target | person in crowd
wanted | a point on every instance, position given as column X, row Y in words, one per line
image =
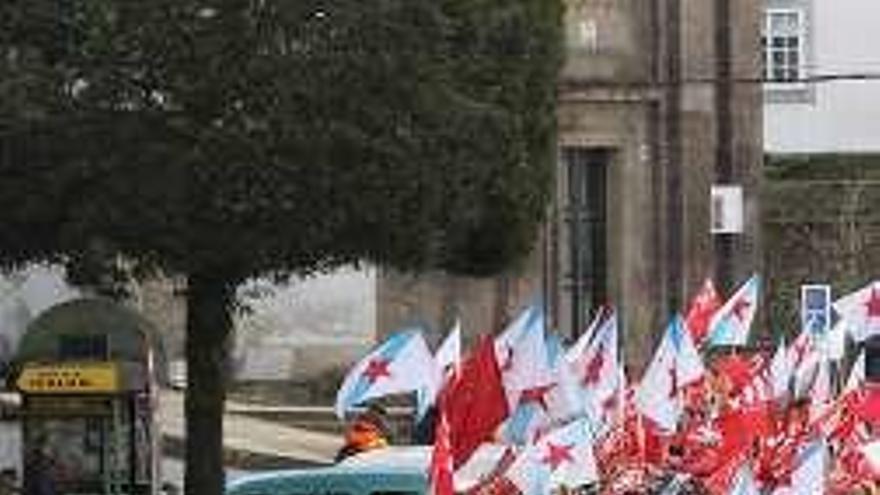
column 423, row 430
column 367, row 430
column 9, row 482
column 39, row 474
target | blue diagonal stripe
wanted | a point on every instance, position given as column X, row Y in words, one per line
column 387, row 351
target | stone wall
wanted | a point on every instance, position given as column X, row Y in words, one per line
column 821, row 222
column 434, row 300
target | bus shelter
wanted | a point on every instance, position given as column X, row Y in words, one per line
column 87, row 374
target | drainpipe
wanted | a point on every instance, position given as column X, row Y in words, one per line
column 674, row 230
column 724, row 171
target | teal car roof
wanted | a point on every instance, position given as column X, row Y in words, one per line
column 396, row 469
column 340, row 479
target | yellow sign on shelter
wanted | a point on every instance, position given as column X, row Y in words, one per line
column 69, row 378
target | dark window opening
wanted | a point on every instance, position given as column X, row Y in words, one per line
column 587, row 217
column 82, row 347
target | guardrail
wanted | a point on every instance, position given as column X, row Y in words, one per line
column 323, row 418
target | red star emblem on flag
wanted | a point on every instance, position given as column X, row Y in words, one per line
column 537, row 395
column 557, row 455
column 594, row 366
column 376, row 369
column 873, row 304
column 610, row 403
column 740, row 307
column 800, row 347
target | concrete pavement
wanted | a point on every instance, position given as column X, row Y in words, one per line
column 256, row 436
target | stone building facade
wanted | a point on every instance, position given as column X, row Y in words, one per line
column 658, row 100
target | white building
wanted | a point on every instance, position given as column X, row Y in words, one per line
column 817, row 54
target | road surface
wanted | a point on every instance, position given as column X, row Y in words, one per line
column 257, row 436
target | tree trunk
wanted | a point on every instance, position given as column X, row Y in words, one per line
column 208, row 327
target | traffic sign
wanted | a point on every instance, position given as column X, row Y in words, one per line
column 816, row 308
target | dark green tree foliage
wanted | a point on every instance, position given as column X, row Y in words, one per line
column 224, row 140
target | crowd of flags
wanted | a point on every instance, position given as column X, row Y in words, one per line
column 732, row 422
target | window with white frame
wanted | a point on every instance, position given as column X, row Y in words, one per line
column 783, row 43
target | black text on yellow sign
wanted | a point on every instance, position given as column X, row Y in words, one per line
column 79, row 378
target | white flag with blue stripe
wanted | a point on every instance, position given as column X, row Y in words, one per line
column 401, row 364
column 676, row 363
column 449, row 353
column 809, row 474
column 524, row 359
column 730, row 325
column 744, row 482
column 562, row 458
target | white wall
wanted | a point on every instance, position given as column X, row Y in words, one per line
column 842, row 116
column 23, row 295
column 307, row 326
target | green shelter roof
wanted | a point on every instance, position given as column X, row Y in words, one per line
column 128, row 334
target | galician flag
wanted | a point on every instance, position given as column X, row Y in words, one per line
column 781, row 371
column 731, row 323
column 744, row 482
column 542, row 406
column 448, row 355
column 676, row 363
column 561, row 458
column 811, row 465
column 700, row 311
column 861, row 310
column 856, row 374
column 597, row 369
column 580, row 346
column 523, row 356
column 820, row 393
column 401, row 364
column 806, row 357
column 835, row 341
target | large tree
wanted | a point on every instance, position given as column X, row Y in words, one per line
column 224, row 140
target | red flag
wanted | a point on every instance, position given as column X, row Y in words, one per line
column 700, row 311
column 656, row 442
column 495, row 482
column 441, row 460
column 777, row 457
column 624, row 444
column 718, row 483
column 734, row 433
column 738, row 369
column 868, row 407
column 741, row 427
column 474, row 402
